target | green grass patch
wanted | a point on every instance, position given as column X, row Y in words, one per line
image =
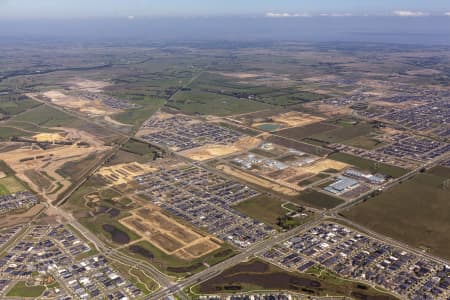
column 364, row 142
column 416, row 212
column 369, row 165
column 264, row 208
column 175, row 266
column 11, row 185
column 344, row 133
column 200, row 102
column 148, row 106
column 316, row 199
column 257, row 275
column 21, row 289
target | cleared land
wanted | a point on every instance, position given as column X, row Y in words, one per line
column 295, row 118
column 168, row 235
column 257, row 180
column 212, row 151
column 416, row 212
column 123, row 173
column 56, row 166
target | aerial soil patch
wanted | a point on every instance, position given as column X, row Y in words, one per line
column 168, row 235
column 257, row 180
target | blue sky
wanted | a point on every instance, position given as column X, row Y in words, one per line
column 274, row 8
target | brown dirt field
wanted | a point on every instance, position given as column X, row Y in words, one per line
column 165, row 242
column 93, row 86
column 14, row 219
column 78, row 103
column 213, row 151
column 200, row 247
column 209, row 151
column 168, row 235
column 295, row 119
column 158, row 220
column 323, row 165
column 123, row 173
column 240, row 75
column 256, row 180
column 48, row 137
column 53, row 158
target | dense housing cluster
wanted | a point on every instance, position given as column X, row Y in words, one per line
column 54, row 254
column 107, row 100
column 16, row 201
column 204, row 199
column 182, row 133
column 354, row 255
column 420, row 149
column 433, row 115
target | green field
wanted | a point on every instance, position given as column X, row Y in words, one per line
column 343, row 133
column 364, row 142
column 21, row 289
column 264, row 208
column 47, row 116
column 177, row 267
column 11, row 107
column 200, row 102
column 369, row 165
column 10, row 185
column 148, row 106
column 257, row 275
column 316, row 199
column 416, row 212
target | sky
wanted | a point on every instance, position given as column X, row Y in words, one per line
column 208, row 8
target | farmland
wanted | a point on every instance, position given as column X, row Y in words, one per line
column 415, row 212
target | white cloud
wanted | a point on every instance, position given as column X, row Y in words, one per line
column 336, row 15
column 408, row 13
column 131, row 17
column 285, row 15
column 447, row 14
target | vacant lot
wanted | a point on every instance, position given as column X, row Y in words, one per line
column 168, row 235
column 317, row 199
column 302, row 132
column 369, row 165
column 213, row 104
column 289, row 143
column 173, row 265
column 21, row 289
column 416, row 212
column 264, row 183
column 9, row 185
column 259, row 275
column 344, row 133
column 264, row 208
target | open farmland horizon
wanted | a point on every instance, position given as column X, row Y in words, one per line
column 273, row 154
